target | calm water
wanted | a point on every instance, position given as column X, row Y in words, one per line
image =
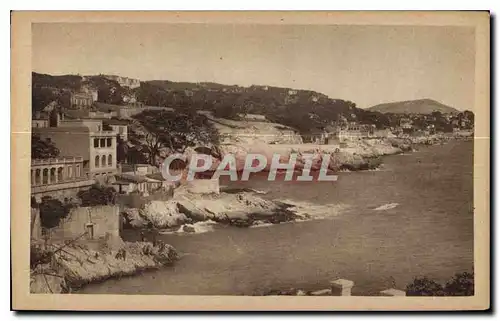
column 429, row 233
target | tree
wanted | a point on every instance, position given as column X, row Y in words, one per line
column 437, row 115
column 176, row 131
column 121, row 150
column 41, row 97
column 42, row 149
column 225, row 111
column 424, row 287
column 97, row 195
column 462, row 284
column 52, row 211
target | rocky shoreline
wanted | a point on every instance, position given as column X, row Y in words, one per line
column 66, row 267
column 235, row 208
column 245, row 208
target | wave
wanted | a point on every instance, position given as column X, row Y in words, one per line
column 310, row 211
column 387, row 206
column 305, row 211
column 258, row 224
column 195, row 228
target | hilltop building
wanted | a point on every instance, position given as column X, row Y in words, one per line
column 81, row 100
column 125, row 81
column 91, row 91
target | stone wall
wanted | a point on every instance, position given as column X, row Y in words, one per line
column 95, row 221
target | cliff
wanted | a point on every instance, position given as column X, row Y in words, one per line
column 355, row 155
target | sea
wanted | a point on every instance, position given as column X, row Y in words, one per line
column 413, row 217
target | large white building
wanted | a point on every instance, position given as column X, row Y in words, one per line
column 84, row 138
column 125, row 81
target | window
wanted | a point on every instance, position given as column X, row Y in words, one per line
column 103, row 142
column 60, row 174
column 108, row 142
column 96, row 142
column 89, row 227
column 78, row 174
column 52, row 175
column 45, row 176
column 103, row 160
column 110, row 160
column 70, row 172
column 96, row 161
column 37, row 176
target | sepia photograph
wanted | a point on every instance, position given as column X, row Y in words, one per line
column 257, row 157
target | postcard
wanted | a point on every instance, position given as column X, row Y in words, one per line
column 256, row 161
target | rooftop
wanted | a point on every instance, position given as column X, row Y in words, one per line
column 116, row 122
column 69, row 130
column 57, row 160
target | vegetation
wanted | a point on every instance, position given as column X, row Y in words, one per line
column 305, row 110
column 52, row 211
column 97, row 195
column 175, row 131
column 462, row 284
column 42, row 149
column 420, row 106
column 108, row 91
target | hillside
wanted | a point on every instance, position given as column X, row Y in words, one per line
column 420, row 106
column 305, row 110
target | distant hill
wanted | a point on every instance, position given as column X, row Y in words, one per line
column 420, row 106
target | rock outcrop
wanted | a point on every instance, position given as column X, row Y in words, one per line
column 241, row 209
column 65, row 267
column 163, row 214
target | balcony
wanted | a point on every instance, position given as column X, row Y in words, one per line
column 58, row 160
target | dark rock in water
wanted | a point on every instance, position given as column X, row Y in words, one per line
column 188, row 229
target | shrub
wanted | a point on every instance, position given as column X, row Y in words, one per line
column 424, row 287
column 52, row 211
column 97, row 195
column 462, row 284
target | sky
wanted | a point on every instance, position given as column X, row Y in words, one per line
column 365, row 64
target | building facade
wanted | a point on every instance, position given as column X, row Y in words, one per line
column 85, row 138
column 81, row 100
column 61, row 176
column 39, row 123
column 125, row 81
column 119, row 126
